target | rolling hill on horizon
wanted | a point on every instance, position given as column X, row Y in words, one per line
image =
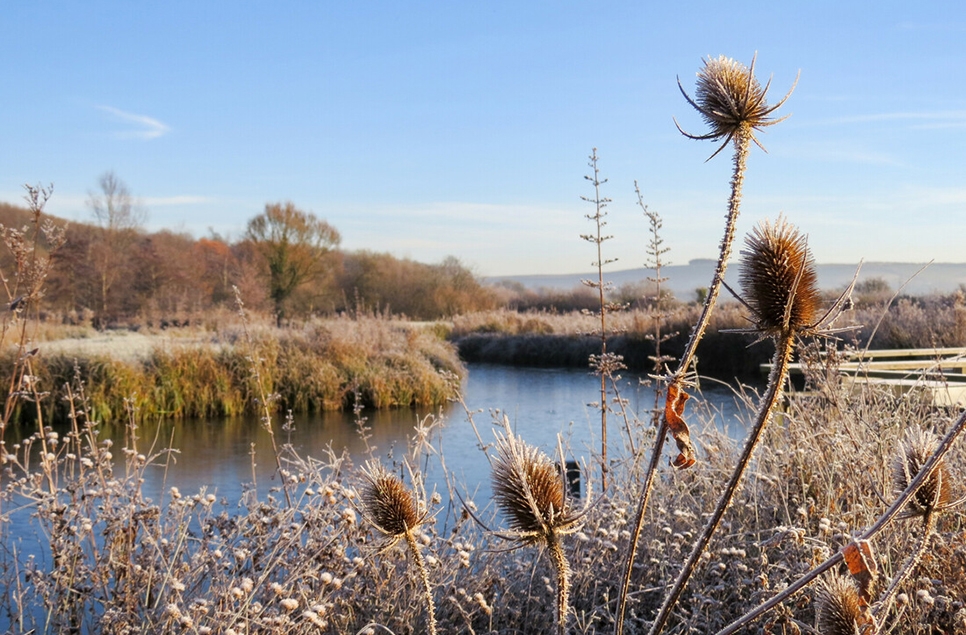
column 683, row 280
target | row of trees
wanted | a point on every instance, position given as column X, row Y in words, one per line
column 287, row 263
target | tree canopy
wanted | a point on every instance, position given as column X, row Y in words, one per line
column 293, row 244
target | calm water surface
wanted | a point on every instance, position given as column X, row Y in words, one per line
column 218, row 456
column 540, row 404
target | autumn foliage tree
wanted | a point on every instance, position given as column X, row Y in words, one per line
column 293, row 244
column 119, row 219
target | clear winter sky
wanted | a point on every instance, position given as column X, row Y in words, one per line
column 434, row 128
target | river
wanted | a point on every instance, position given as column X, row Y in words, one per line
column 539, row 403
column 217, row 456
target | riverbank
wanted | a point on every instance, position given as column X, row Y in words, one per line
column 322, row 365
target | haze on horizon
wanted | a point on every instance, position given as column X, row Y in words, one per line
column 429, row 129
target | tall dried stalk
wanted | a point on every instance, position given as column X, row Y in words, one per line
column 733, row 104
column 605, row 364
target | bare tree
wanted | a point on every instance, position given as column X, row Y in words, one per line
column 119, row 218
column 293, row 244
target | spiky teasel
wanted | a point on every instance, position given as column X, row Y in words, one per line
column 935, row 494
column 394, row 510
column 779, row 280
column 839, row 609
column 731, row 101
column 530, row 491
column 388, row 504
column 781, row 289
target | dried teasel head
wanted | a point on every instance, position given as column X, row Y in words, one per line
column 731, row 100
column 529, row 489
column 935, row 494
column 839, row 610
column 388, row 504
column 779, row 281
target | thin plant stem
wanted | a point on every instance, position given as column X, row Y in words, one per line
column 742, row 142
column 883, row 521
column 885, row 601
column 559, row 560
column 779, row 373
column 424, row 578
column 598, row 238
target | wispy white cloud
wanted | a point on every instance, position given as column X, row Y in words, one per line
column 169, row 201
column 843, row 152
column 925, row 119
column 145, row 128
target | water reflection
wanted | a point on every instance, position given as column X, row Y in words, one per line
column 540, row 404
column 224, row 457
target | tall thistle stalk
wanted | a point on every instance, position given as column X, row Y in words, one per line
column 733, row 104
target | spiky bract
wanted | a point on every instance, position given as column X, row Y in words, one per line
column 935, row 494
column 778, row 280
column 388, row 504
column 529, row 489
column 731, row 101
column 839, row 610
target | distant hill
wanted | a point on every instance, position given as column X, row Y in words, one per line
column 684, row 279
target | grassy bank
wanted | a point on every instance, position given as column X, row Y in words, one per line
column 324, row 365
column 543, row 339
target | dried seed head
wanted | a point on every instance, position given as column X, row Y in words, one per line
column 778, row 279
column 730, row 100
column 388, row 503
column 839, row 610
column 936, row 491
column 529, row 489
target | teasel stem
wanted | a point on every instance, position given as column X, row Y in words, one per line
column 776, row 382
column 881, row 523
column 742, row 142
column 424, row 578
column 559, row 560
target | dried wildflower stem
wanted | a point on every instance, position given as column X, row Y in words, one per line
column 424, row 578
column 742, row 141
column 887, row 517
column 884, row 603
column 776, row 382
column 598, row 238
column 559, row 560
column 266, row 418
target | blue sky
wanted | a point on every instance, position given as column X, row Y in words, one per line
column 428, row 129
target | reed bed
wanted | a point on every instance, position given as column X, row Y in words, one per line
column 322, row 366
